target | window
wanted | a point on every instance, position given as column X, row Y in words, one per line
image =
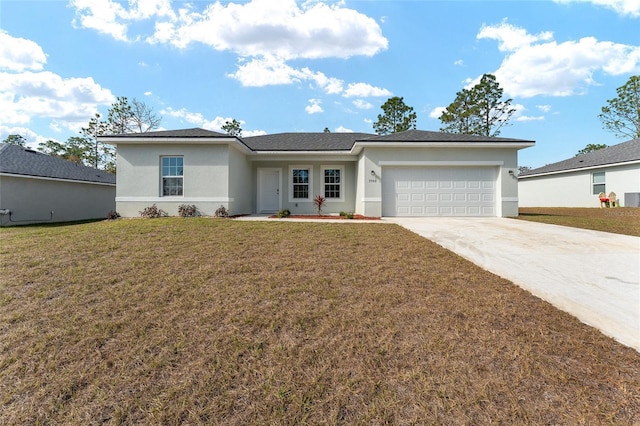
column 597, row 179
column 300, row 189
column 172, row 172
column 332, row 182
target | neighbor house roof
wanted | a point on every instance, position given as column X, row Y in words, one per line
column 622, row 153
column 17, row 160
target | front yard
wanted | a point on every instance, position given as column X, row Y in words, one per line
column 213, row 321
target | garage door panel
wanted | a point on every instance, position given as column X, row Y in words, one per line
column 438, row 191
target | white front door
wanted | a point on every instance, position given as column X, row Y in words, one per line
column 269, row 190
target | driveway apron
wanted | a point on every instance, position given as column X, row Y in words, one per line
column 592, row 275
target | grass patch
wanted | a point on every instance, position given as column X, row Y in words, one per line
column 619, row 220
column 205, row 321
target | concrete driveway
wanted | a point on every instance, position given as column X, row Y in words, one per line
column 592, row 275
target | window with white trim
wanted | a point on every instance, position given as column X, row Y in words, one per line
column 172, row 176
column 300, row 183
column 598, row 182
column 332, row 177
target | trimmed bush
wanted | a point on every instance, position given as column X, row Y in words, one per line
column 284, row 213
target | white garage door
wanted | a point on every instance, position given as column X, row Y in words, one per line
column 439, row 191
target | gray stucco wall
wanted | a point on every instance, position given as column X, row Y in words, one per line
column 206, row 178
column 241, row 178
column 31, row 200
column 374, row 159
column 306, row 207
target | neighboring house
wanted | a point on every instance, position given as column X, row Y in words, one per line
column 36, row 187
column 413, row 173
column 576, row 182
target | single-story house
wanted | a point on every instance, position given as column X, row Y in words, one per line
column 36, row 188
column 412, row 173
column 576, row 182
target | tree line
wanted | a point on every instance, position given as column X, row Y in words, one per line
column 480, row 110
column 124, row 116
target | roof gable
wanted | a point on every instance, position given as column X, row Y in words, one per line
column 620, row 153
column 17, row 160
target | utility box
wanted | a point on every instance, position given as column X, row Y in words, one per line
column 632, row 199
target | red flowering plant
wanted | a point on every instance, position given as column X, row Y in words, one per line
column 319, row 202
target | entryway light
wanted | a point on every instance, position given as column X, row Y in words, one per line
column 373, row 172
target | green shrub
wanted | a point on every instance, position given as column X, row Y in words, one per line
column 349, row 215
column 284, row 213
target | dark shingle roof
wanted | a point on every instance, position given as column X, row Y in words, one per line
column 17, row 160
column 320, row 141
column 304, row 141
column 182, row 133
column 428, row 136
column 621, row 153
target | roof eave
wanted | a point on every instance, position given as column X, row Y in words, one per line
column 224, row 140
column 359, row 145
column 579, row 169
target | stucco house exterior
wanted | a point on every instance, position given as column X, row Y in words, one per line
column 412, row 173
column 577, row 181
column 39, row 188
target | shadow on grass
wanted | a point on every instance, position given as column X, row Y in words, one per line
column 48, row 224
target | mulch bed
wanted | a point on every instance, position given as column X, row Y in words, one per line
column 310, row 216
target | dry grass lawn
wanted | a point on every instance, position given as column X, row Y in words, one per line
column 212, row 321
column 618, row 220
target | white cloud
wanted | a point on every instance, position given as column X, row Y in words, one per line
column 519, row 114
column 622, row 7
column 199, row 120
column 314, row 106
column 281, row 28
column 112, row 18
column 510, row 37
column 459, row 62
column 364, row 90
column 33, row 139
column 360, row 104
column 342, row 129
column 265, row 34
column 19, row 54
column 437, row 112
column 529, row 118
column 544, row 108
column 539, row 65
column 48, row 95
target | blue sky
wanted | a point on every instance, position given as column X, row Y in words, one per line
column 288, row 66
